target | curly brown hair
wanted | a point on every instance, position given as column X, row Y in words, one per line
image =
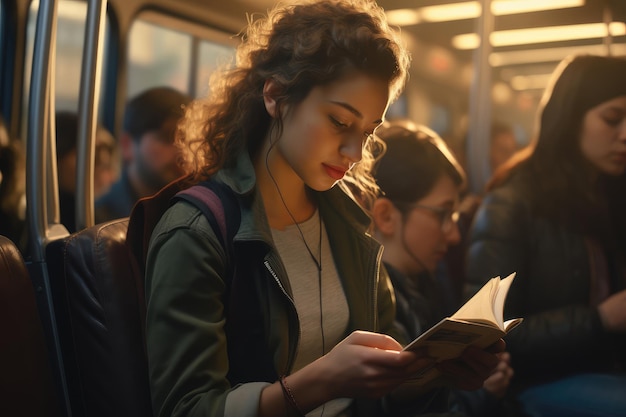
column 299, row 46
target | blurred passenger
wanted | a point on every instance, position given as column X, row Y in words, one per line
column 556, row 214
column 12, row 189
column 502, row 145
column 415, row 220
column 150, row 159
column 4, row 133
column 105, row 167
column 106, row 164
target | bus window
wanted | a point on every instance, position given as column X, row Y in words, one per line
column 164, row 50
column 72, row 15
column 211, row 56
column 157, row 56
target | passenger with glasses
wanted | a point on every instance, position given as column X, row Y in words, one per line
column 415, row 218
column 446, row 216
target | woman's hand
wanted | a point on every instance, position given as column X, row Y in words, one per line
column 368, row 364
column 613, row 312
column 473, row 367
column 498, row 382
column 364, row 364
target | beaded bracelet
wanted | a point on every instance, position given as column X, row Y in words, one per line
column 289, row 398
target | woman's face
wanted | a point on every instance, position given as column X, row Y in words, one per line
column 603, row 136
column 427, row 235
column 323, row 136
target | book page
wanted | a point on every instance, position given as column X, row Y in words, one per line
column 448, row 339
column 480, row 306
column 498, row 304
column 479, row 322
column 511, row 324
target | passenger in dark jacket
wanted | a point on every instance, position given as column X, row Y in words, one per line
column 415, row 219
column 556, row 215
column 150, row 159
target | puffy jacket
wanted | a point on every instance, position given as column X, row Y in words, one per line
column 561, row 333
column 193, row 370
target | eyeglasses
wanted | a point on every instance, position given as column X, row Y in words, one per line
column 447, row 217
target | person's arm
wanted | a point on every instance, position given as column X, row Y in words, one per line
column 498, row 382
column 363, row 365
column 613, row 314
column 186, row 344
column 505, row 239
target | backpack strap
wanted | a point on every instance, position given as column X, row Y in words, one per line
column 218, row 204
column 248, row 354
column 144, row 217
column 213, row 198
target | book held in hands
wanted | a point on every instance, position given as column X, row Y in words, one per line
column 479, row 322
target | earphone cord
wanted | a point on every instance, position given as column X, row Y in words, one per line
column 317, row 263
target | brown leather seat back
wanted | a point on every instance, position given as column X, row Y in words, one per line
column 101, row 321
column 26, row 387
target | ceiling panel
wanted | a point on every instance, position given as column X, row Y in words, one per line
column 441, row 34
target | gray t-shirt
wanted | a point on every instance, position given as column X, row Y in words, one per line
column 323, row 323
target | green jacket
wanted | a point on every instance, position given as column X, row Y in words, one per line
column 185, row 291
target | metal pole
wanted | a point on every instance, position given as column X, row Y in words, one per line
column 41, row 182
column 480, row 105
column 38, row 135
column 88, row 111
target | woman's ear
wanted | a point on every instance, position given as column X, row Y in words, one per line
column 384, row 215
column 270, row 90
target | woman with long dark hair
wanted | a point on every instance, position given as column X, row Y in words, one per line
column 556, row 215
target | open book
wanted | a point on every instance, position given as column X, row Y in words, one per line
column 478, row 322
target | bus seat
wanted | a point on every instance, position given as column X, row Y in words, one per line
column 26, row 387
column 100, row 314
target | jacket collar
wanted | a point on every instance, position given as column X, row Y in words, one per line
column 241, row 179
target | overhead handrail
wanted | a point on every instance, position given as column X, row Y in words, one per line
column 89, row 100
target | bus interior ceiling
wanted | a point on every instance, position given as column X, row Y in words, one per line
column 444, row 53
column 452, row 76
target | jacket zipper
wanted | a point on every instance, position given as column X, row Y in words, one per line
column 293, row 305
column 377, row 266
